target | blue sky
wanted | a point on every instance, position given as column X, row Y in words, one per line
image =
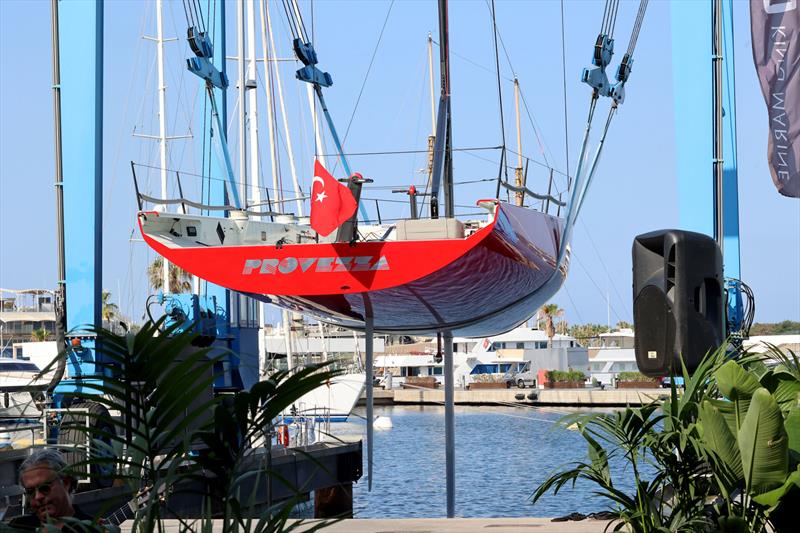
column 634, row 190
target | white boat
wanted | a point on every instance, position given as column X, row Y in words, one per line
column 19, row 376
column 21, row 387
column 304, row 344
column 331, row 402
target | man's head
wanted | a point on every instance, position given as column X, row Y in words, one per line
column 48, row 487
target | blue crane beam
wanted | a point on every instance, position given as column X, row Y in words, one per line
column 80, row 30
column 693, row 91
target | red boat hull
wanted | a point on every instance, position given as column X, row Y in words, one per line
column 482, row 285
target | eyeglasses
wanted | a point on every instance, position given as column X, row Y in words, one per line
column 42, row 488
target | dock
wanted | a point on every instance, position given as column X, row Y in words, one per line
column 429, row 525
column 540, row 397
column 322, row 468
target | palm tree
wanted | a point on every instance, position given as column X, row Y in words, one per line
column 39, row 335
column 549, row 312
column 109, row 310
column 179, row 279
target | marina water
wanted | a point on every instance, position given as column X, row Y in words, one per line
column 502, row 455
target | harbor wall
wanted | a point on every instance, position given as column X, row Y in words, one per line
column 563, row 397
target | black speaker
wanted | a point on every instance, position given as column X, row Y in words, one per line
column 678, row 300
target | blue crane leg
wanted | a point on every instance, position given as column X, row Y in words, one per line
column 81, row 56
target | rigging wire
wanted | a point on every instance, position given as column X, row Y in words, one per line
column 535, row 129
column 499, row 94
column 400, row 152
column 366, row 77
column 543, row 148
column 588, row 275
column 605, row 269
column 564, row 83
column 574, row 307
column 637, row 26
column 472, row 62
column 301, row 23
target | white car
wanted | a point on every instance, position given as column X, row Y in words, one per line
column 521, row 378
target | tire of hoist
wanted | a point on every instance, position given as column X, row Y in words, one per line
column 71, row 434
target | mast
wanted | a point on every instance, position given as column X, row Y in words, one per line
column 252, row 105
column 162, row 124
column 432, row 136
column 520, row 180
column 289, row 149
column 444, row 54
column 270, row 96
column 442, row 161
column 242, row 103
column 430, row 78
column 310, row 91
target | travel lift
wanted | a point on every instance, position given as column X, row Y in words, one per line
column 77, row 43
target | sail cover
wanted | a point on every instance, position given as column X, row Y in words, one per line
column 775, row 26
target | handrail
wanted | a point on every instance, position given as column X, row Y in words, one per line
column 525, row 190
column 198, row 205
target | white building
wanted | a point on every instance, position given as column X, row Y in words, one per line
column 508, row 352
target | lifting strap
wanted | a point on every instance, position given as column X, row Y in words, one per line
column 594, row 77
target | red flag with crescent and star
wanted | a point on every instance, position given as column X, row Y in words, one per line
column 331, row 202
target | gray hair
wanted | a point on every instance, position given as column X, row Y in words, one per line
column 46, row 456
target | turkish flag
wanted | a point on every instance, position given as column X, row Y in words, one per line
column 331, row 202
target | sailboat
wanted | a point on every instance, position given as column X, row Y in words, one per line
column 335, row 400
column 414, row 276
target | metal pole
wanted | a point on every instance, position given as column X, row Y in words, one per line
column 520, row 197
column 432, row 136
column 287, row 335
column 269, row 94
column 252, row 107
column 60, row 306
column 286, row 129
column 717, row 58
column 430, row 80
column 162, row 127
column 368, row 334
column 449, row 424
column 444, row 64
column 242, row 103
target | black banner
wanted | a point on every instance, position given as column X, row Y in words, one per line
column 775, row 27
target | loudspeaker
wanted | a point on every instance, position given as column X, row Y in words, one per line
column 678, row 300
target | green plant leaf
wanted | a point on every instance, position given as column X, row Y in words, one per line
column 763, row 444
column 735, row 382
column 719, row 438
column 786, row 393
column 792, row 426
column 773, row 497
column 733, row 524
column 732, row 412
